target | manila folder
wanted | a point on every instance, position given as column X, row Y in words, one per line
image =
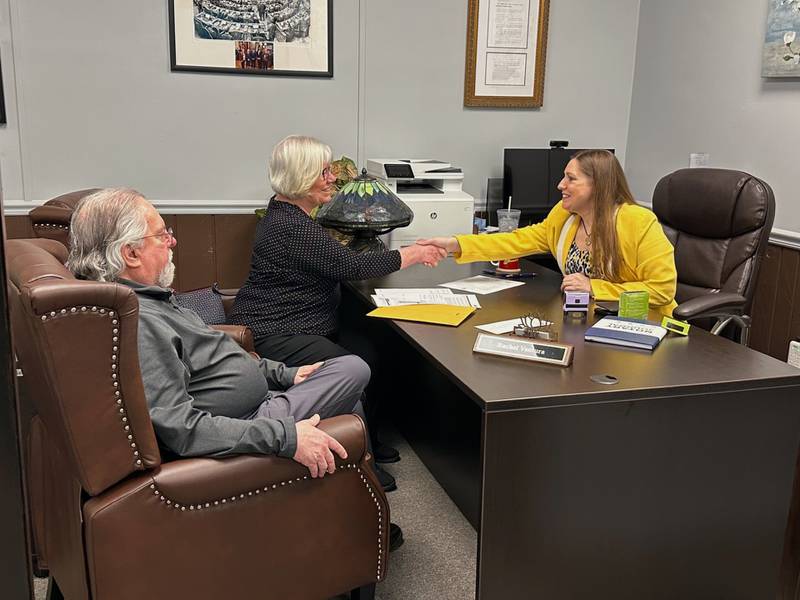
column 440, row 314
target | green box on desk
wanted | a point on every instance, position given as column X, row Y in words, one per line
column 634, row 305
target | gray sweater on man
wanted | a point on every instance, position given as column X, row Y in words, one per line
column 202, row 389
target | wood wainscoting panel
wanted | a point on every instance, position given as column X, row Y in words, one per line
column 18, row 227
column 234, row 234
column 776, row 307
column 785, row 304
column 764, row 301
column 196, row 251
column 794, row 320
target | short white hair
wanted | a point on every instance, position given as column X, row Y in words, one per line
column 295, row 165
column 101, row 225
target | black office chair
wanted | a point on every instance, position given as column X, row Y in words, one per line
column 719, row 221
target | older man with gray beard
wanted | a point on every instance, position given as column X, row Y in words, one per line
column 206, row 395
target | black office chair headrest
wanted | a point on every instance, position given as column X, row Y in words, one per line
column 712, row 203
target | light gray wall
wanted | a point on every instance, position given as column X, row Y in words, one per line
column 10, row 158
column 698, row 88
column 415, row 52
column 98, row 105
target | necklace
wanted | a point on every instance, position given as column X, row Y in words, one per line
column 588, row 234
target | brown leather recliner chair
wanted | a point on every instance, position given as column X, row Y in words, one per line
column 122, row 524
column 719, row 222
column 51, row 219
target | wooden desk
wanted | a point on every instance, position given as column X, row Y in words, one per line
column 673, row 484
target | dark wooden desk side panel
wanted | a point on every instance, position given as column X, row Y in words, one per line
column 671, row 498
column 440, row 423
column 211, row 248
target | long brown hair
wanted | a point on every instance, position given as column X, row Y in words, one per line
column 609, row 190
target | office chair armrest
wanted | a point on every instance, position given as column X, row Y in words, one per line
column 710, row 305
column 240, row 334
column 191, row 481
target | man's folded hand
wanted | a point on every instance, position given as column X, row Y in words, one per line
column 306, row 370
column 315, row 448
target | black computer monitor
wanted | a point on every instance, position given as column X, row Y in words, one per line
column 530, row 177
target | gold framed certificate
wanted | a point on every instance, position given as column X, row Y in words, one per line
column 506, row 48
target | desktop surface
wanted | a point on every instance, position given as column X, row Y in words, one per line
column 691, row 363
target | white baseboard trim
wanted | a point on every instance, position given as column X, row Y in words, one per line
column 168, row 207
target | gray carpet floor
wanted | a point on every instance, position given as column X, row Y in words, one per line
column 437, row 560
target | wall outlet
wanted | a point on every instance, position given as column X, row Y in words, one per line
column 698, row 159
column 794, row 354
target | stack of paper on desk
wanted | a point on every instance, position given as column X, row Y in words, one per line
column 399, row 297
column 482, row 285
column 439, row 314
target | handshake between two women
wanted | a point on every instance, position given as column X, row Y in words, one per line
column 427, row 252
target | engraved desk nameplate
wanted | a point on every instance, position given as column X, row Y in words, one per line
column 514, row 347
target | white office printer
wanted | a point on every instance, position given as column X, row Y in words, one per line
column 432, row 189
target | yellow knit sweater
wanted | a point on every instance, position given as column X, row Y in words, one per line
column 648, row 261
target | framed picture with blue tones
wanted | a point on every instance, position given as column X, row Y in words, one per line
column 781, row 54
column 252, row 37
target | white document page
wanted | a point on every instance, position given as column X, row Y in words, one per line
column 388, row 292
column 424, row 298
column 508, row 23
column 482, row 285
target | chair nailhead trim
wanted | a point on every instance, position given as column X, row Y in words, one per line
column 208, row 504
column 51, row 225
column 114, row 367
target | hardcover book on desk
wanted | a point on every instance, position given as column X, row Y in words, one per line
column 620, row 331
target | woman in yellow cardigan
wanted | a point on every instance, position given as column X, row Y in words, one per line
column 603, row 241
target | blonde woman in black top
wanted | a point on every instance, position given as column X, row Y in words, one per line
column 291, row 296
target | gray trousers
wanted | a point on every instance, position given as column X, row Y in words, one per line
column 333, row 389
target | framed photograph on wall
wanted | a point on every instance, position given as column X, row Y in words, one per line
column 253, row 37
column 781, row 54
column 506, row 49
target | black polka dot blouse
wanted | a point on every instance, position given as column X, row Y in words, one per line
column 295, row 270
